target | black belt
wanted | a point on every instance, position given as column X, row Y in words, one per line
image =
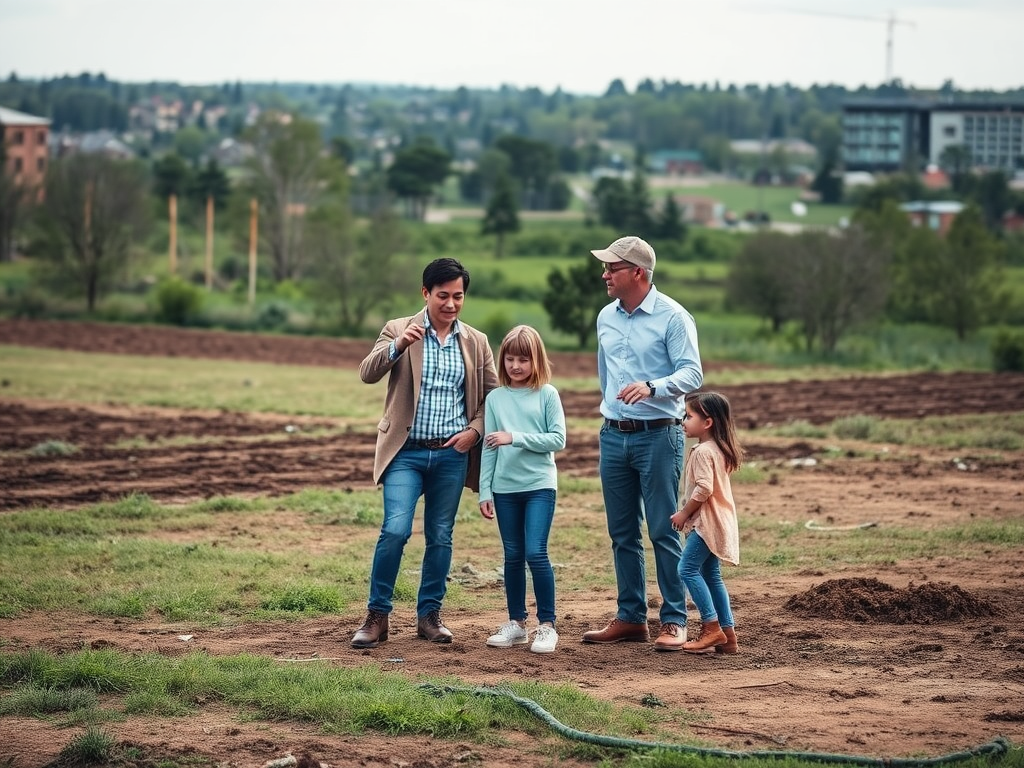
column 638, row 425
column 433, row 443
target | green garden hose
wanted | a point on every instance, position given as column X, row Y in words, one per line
column 998, row 746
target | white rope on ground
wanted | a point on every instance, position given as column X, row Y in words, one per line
column 810, row 525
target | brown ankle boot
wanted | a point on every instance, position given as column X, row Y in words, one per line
column 730, row 645
column 711, row 634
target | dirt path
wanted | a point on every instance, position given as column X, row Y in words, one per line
column 909, row 658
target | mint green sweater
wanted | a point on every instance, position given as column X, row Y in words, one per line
column 536, row 421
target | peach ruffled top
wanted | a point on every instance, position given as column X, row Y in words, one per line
column 707, row 481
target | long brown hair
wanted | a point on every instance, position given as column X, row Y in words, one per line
column 711, row 405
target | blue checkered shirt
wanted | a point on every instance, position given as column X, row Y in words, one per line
column 441, row 410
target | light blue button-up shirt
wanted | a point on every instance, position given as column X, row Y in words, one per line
column 657, row 342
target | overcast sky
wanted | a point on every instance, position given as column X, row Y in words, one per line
column 578, row 45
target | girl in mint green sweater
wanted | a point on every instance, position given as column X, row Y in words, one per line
column 524, row 425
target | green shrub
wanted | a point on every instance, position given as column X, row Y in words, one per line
column 52, row 448
column 177, row 301
column 273, row 316
column 857, row 427
column 93, row 747
column 1008, row 351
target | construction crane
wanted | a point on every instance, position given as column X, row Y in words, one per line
column 890, row 21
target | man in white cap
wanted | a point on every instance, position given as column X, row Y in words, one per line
column 647, row 360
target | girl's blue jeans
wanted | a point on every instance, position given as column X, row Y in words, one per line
column 524, row 520
column 701, row 572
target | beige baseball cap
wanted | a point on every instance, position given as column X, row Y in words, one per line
column 630, row 248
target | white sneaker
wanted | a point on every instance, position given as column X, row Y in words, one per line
column 508, row 634
column 545, row 639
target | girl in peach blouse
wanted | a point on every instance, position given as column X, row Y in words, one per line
column 709, row 519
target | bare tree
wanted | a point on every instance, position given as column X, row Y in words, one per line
column 836, row 281
column 358, row 266
column 286, row 175
column 94, row 210
column 758, row 280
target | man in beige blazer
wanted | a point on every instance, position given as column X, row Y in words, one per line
column 439, row 372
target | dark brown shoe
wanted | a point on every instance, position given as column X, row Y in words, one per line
column 373, row 631
column 671, row 638
column 430, row 627
column 618, row 632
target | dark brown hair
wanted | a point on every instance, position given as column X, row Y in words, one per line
column 711, row 405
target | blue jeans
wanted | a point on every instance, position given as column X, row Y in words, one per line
column 438, row 476
column 524, row 520
column 701, row 572
column 640, row 474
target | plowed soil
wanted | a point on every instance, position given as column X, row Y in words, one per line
column 910, row 658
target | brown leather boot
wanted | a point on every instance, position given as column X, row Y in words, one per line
column 430, row 627
column 373, row 631
column 730, row 645
column 711, row 634
column 619, row 631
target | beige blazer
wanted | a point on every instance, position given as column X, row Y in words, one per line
column 404, row 389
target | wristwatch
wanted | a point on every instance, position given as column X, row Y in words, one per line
column 650, row 387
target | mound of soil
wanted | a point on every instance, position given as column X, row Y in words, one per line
column 870, row 600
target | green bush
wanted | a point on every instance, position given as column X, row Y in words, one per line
column 857, row 427
column 177, row 301
column 1008, row 351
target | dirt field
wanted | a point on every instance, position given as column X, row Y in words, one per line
column 921, row 658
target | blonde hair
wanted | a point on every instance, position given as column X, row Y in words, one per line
column 526, row 342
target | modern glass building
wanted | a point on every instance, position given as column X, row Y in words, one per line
column 887, row 135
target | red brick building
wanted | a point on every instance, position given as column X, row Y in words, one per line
column 25, row 139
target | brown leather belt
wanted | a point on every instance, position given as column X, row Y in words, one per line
column 433, row 443
column 637, row 425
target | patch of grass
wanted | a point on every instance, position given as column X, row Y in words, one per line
column 857, row 427
column 305, row 599
column 32, row 701
column 189, row 383
column 341, row 700
column 94, row 747
column 799, row 428
column 988, row 431
column 51, row 448
column 109, row 563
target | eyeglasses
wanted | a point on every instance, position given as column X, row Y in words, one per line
column 612, row 270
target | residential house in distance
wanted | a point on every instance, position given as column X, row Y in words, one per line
column 101, row 142
column 676, row 162
column 704, row 211
column 25, row 139
column 795, row 149
column 936, row 215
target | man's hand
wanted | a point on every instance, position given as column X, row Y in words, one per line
column 463, row 441
column 487, row 509
column 412, row 333
column 634, row 393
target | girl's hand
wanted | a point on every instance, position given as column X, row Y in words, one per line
column 487, row 509
column 679, row 520
column 494, row 439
